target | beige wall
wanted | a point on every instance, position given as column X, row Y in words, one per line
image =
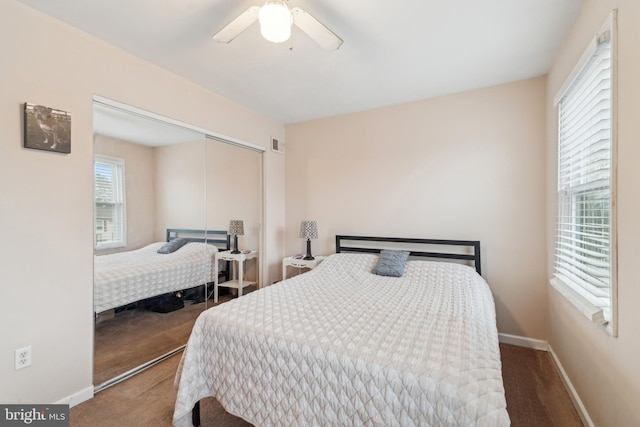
column 465, row 166
column 603, row 369
column 180, row 181
column 46, row 198
column 234, row 190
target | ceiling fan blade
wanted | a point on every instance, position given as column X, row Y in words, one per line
column 315, row 29
column 238, row 25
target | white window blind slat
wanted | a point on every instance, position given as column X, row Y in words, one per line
column 583, row 143
column 585, row 253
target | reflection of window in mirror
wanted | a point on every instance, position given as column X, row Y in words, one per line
column 110, row 218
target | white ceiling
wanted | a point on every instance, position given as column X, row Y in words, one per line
column 140, row 129
column 393, row 51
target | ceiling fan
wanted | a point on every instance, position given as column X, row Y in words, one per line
column 276, row 18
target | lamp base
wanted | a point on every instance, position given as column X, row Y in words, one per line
column 235, row 245
column 308, row 257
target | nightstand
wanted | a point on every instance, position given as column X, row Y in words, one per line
column 238, row 283
column 300, row 263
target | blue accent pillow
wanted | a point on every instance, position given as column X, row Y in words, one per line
column 391, row 263
column 173, row 245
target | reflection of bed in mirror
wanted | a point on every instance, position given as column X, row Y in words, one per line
column 141, row 319
column 128, row 277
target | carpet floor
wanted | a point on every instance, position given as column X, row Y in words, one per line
column 534, row 391
column 133, row 337
column 137, row 336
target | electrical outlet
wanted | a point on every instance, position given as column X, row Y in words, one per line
column 23, row 357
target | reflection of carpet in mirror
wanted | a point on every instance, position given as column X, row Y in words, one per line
column 134, row 337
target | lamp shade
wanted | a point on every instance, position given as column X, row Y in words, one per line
column 309, row 230
column 236, row 227
column 275, row 21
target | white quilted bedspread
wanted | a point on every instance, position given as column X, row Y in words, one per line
column 339, row 346
column 126, row 277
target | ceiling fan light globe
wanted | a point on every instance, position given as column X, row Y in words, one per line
column 275, row 22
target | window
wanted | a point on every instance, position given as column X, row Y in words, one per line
column 109, row 208
column 584, row 260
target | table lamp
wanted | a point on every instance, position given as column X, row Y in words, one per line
column 236, row 228
column 309, row 230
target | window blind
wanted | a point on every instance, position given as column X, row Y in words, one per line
column 109, row 202
column 583, row 244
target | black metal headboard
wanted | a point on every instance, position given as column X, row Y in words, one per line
column 219, row 238
column 475, row 244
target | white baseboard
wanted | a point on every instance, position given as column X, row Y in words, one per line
column 523, row 342
column 573, row 394
column 78, row 397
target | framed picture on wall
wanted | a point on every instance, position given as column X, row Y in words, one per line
column 47, row 128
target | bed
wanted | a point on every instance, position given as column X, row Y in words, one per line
column 339, row 346
column 126, row 277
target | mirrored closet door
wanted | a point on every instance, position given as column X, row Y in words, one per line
column 161, row 187
column 149, row 177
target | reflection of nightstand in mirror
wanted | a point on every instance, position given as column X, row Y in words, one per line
column 299, row 263
column 238, row 283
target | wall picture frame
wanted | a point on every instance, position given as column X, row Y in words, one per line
column 47, row 128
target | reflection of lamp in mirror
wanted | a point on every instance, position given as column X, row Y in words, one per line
column 309, row 230
column 236, row 228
